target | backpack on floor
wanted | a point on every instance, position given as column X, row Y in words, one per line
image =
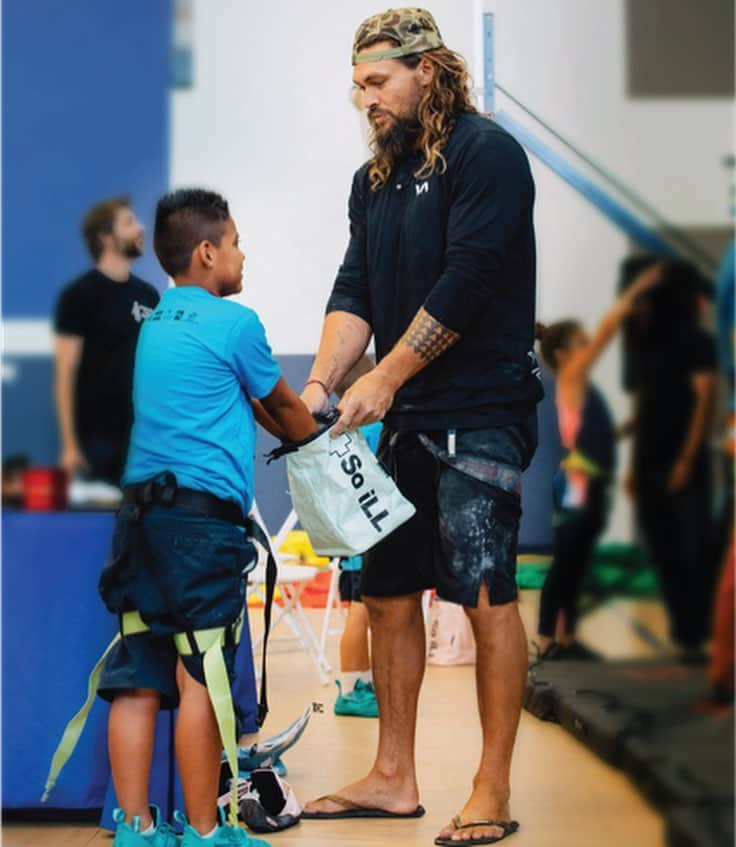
column 451, row 639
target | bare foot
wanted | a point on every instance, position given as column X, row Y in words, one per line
column 481, row 806
column 393, row 794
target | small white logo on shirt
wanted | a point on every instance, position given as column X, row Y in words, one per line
column 140, row 313
column 422, row 188
column 534, row 364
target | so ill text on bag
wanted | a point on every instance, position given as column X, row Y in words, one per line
column 344, row 498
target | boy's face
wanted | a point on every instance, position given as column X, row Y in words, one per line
column 229, row 261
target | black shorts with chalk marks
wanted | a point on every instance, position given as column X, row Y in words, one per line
column 465, row 530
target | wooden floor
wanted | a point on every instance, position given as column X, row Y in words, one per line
column 563, row 795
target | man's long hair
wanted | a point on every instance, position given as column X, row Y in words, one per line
column 448, row 95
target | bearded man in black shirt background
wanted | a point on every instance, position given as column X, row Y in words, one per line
column 440, row 270
column 97, row 321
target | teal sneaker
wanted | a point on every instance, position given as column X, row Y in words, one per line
column 225, row 836
column 130, row 835
column 360, row 702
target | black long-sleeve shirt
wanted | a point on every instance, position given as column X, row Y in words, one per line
column 460, row 244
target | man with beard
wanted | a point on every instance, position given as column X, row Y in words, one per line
column 97, row 321
column 440, row 270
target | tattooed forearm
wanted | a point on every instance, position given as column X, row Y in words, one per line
column 344, row 339
column 428, row 338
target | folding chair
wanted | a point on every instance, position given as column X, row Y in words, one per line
column 333, row 602
column 290, row 583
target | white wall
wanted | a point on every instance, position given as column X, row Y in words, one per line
column 566, row 61
column 270, row 123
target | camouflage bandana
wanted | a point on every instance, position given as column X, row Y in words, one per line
column 414, row 29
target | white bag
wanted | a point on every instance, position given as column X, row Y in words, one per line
column 345, row 500
column 451, row 639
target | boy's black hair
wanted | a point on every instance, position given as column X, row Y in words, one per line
column 184, row 219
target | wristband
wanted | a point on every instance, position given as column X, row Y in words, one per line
column 317, row 382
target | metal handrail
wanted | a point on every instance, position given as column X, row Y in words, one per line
column 672, row 232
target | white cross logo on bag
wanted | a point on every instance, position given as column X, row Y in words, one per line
column 341, row 446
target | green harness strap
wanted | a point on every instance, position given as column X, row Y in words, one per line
column 208, row 642
column 577, row 461
column 75, row 726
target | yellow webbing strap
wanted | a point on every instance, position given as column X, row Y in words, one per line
column 203, row 638
column 209, row 642
column 577, row 461
column 218, row 687
column 75, row 726
column 131, row 623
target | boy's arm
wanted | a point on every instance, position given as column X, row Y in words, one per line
column 288, row 413
column 266, row 421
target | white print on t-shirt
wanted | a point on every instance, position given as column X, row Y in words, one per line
column 140, row 313
column 534, row 364
column 422, row 188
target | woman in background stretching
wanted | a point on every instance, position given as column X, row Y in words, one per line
column 581, row 489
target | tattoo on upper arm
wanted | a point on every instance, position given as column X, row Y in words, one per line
column 428, row 338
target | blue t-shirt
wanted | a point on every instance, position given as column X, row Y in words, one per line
column 200, row 360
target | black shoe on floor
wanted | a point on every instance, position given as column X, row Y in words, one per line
column 552, row 653
column 578, row 652
column 692, row 656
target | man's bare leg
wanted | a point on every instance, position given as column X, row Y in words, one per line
column 398, row 653
column 501, row 667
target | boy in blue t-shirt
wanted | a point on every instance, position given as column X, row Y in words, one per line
column 181, row 547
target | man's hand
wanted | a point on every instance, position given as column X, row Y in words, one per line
column 679, row 476
column 366, row 401
column 73, row 461
column 315, row 398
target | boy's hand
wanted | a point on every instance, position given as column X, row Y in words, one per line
column 315, row 398
column 366, row 402
column 288, row 414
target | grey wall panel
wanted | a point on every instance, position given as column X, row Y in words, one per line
column 680, row 48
